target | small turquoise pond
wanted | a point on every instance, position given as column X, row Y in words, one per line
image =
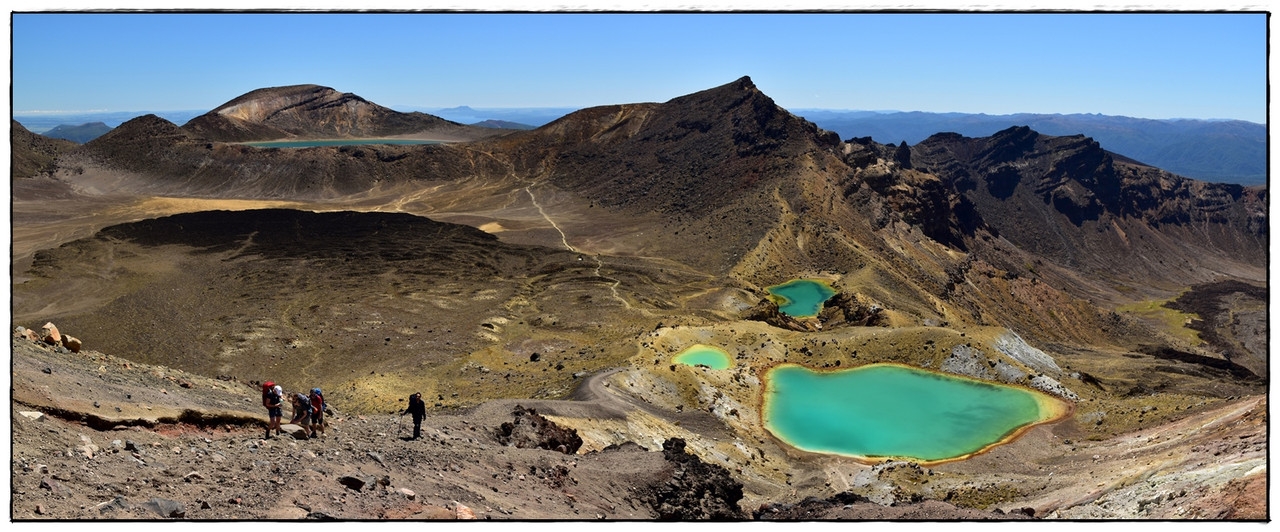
column 712, row 357
column 883, row 411
column 801, row 298
column 334, row 142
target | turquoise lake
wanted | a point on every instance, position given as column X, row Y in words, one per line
column 712, row 357
column 334, row 142
column 881, row 411
column 801, row 298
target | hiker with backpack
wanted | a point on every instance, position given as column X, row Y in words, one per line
column 301, row 412
column 419, row 411
column 271, row 399
column 317, row 412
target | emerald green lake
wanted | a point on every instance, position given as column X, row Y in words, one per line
column 883, row 410
column 334, row 142
column 712, row 357
column 801, row 298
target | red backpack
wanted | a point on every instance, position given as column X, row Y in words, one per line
column 317, row 401
column 267, row 391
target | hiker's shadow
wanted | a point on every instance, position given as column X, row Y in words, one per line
column 406, row 438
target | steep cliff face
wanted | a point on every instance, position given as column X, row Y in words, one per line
column 1067, row 200
column 313, row 111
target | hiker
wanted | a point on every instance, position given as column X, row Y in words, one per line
column 271, row 399
column 301, row 412
column 317, row 412
column 419, row 410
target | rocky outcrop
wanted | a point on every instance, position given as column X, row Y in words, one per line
column 843, row 309
column 767, row 311
column 530, row 430
column 695, row 490
column 49, row 336
column 1013, row 346
column 848, row 308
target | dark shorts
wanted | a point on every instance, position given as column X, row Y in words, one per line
column 317, row 417
column 275, row 412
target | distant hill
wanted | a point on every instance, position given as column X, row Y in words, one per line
column 503, row 124
column 1228, row 151
column 79, row 134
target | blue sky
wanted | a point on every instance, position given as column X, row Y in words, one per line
column 1173, row 65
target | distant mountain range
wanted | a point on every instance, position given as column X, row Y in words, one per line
column 1229, row 151
column 532, row 116
column 44, row 122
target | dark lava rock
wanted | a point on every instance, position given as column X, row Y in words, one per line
column 696, row 490
column 352, row 482
column 117, row 503
column 165, row 507
column 55, row 487
column 809, row 508
column 530, row 430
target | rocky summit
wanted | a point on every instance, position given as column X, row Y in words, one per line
column 535, row 286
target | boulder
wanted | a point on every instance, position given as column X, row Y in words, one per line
column 462, row 512
column 407, row 493
column 55, row 487
column 165, row 507
column 49, row 333
column 294, row 430
column 72, row 343
column 357, row 483
column 117, row 503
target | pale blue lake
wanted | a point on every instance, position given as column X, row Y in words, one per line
column 712, row 357
column 801, row 298
column 882, row 411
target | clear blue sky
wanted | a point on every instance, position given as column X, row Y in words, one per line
column 1145, row 65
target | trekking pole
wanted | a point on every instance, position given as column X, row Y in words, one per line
column 400, row 427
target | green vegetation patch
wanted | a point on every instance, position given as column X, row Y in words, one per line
column 1174, row 322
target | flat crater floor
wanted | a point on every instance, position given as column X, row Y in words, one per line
column 369, row 306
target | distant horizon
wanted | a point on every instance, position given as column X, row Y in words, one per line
column 1160, row 66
